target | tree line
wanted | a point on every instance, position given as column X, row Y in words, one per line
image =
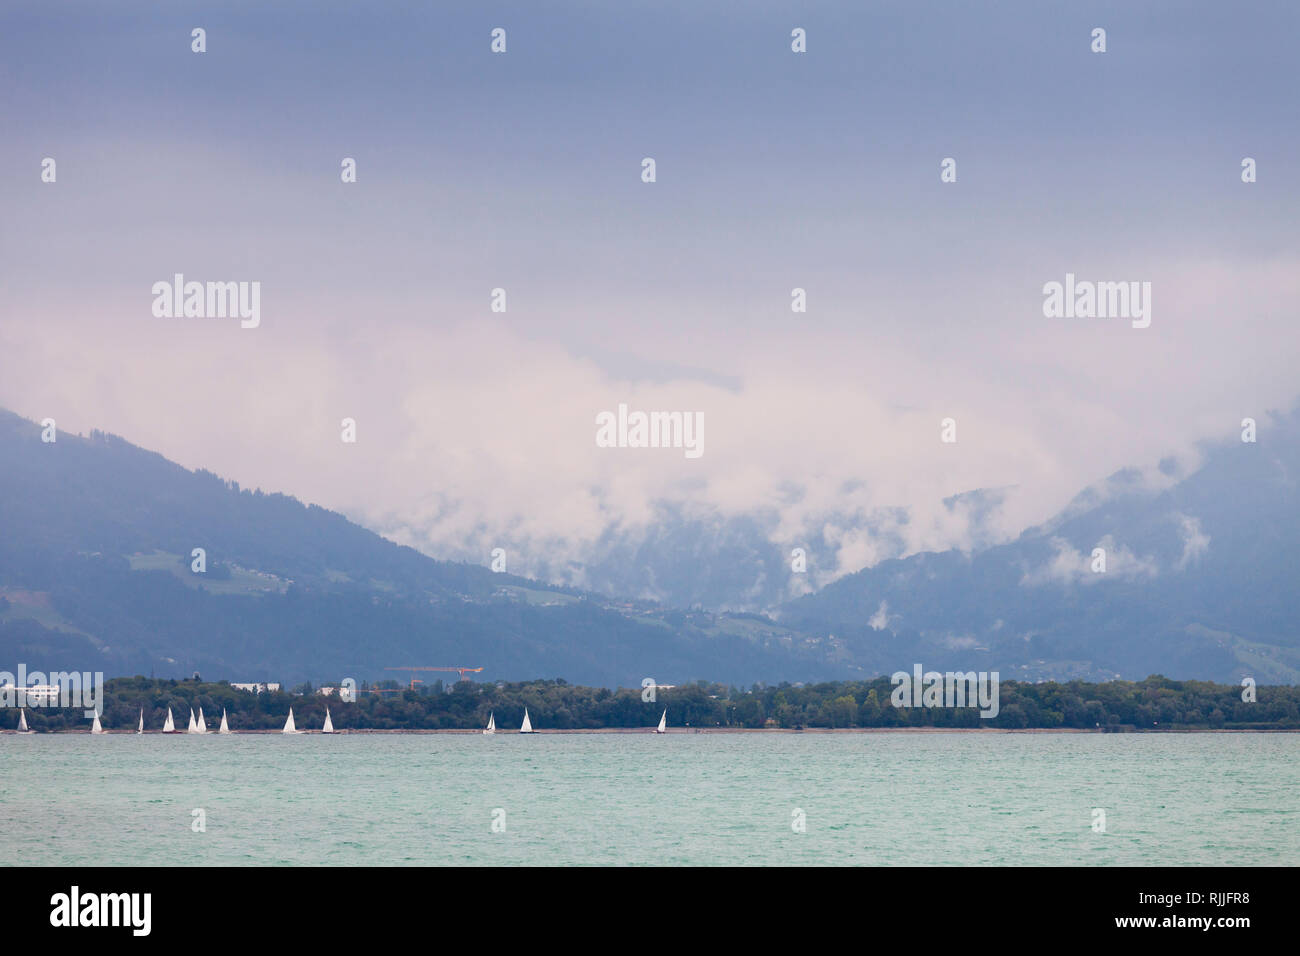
column 1156, row 703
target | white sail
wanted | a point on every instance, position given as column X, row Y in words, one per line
column 289, row 728
column 492, row 724
column 203, row 724
column 329, row 724
column 22, row 722
column 527, row 728
column 663, row 723
column 140, row 728
column 225, row 727
column 95, row 728
column 170, row 726
column 194, row 727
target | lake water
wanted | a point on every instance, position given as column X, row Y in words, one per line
column 639, row 798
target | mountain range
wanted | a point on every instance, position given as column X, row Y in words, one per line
column 97, row 572
column 1201, row 576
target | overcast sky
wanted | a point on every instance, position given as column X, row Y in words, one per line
column 774, row 170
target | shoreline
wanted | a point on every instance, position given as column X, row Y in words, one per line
column 678, row 731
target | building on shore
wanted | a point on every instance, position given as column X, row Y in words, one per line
column 257, row 688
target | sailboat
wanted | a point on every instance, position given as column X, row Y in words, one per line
column 170, row 726
column 22, row 722
column 527, row 728
column 492, row 724
column 193, row 728
column 140, row 728
column 95, row 728
column 329, row 724
column 203, row 726
column 289, row 727
column 225, row 727
column 663, row 723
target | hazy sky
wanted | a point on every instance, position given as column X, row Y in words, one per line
column 774, row 170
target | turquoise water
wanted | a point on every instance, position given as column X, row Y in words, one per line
column 645, row 799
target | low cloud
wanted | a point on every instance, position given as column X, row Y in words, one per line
column 474, row 435
column 880, row 620
column 1196, row 543
column 1068, row 566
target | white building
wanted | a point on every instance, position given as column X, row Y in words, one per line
column 257, row 688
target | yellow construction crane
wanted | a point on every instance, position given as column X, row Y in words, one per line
column 459, row 670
